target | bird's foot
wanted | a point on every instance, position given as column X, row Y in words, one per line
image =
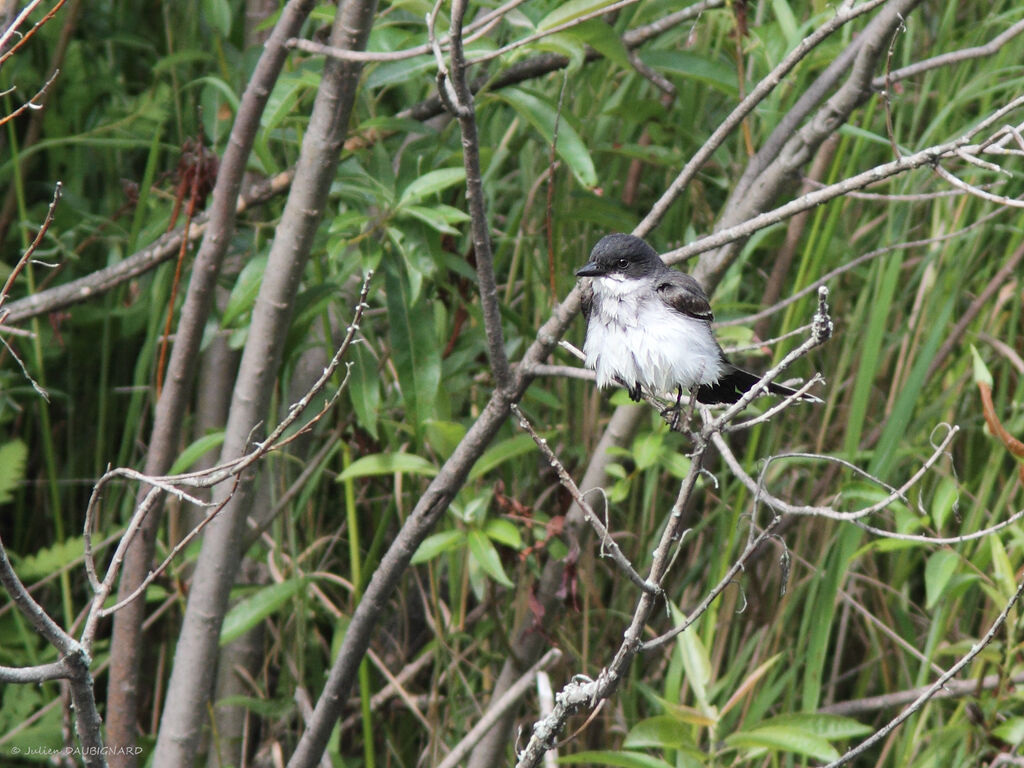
column 674, row 414
column 678, row 415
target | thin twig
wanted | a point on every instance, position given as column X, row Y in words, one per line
column 459, row 100
column 925, row 157
column 779, row 505
column 757, row 94
column 853, row 264
column 498, row 708
column 201, row 479
column 934, row 688
column 478, row 28
column 581, row 692
column 18, row 21
column 947, row 59
column 607, row 542
column 31, row 103
column 27, row 256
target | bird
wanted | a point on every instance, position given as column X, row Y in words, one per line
column 649, row 328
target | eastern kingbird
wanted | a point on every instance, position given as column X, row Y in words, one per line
column 649, row 327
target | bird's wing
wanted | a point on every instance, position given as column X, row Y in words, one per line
column 684, row 294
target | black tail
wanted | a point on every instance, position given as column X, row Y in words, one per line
column 736, row 383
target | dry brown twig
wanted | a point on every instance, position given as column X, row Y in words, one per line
column 25, row 259
column 20, row 19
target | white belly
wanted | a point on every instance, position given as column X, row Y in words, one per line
column 647, row 342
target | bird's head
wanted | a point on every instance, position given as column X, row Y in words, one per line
column 621, row 257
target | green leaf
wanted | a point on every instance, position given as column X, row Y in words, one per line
column 784, row 739
column 937, row 572
column 714, row 72
column 250, row 611
column 787, row 22
column 388, row 464
column 440, row 217
column 444, row 436
column 541, row 115
column 826, row 726
column 49, row 560
column 286, row 94
column 647, row 450
column 243, row 293
column 981, row 372
column 571, row 10
column 414, row 348
column 1002, row 570
column 661, row 732
column 1011, row 731
column 195, row 451
column 218, row 15
column 603, row 39
column 504, row 532
column 364, row 388
column 678, row 464
column 437, row 544
column 486, row 556
column 431, row 183
column 500, row 453
column 619, row 759
column 12, row 468
column 696, row 661
column 412, row 70
column 569, row 46
column 945, row 501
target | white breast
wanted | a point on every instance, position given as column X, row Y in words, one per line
column 635, row 338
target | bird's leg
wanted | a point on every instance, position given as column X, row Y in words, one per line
column 634, row 392
column 681, row 414
column 675, row 421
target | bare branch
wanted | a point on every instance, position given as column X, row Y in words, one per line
column 779, row 505
column 460, row 101
column 582, row 692
column 205, row 478
column 32, row 102
column 923, row 158
column 853, row 263
column 953, row 689
column 74, row 664
column 767, row 84
column 33, row 675
column 27, row 256
column 32, row 610
column 476, row 29
column 588, row 513
column 934, row 688
column 140, row 262
column 5, row 37
column 990, row 48
column 498, row 708
column 575, row 22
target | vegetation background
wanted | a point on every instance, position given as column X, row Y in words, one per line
column 829, row 631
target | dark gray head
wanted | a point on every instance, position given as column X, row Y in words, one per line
column 622, row 256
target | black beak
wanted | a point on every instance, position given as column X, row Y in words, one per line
column 590, row 269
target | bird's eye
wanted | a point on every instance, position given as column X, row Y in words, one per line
column 622, row 263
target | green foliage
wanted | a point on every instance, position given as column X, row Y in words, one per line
column 254, row 608
column 12, row 468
